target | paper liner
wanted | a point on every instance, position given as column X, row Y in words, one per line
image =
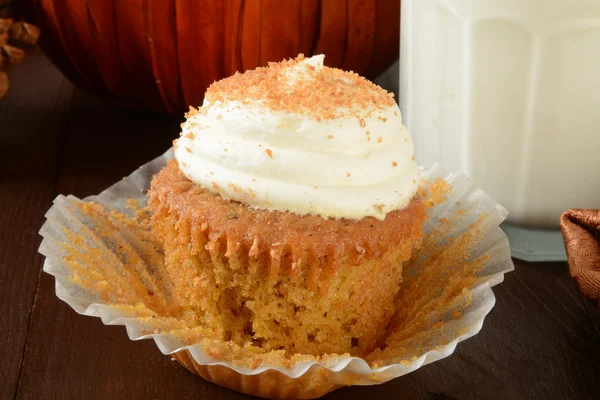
column 463, row 227
column 300, row 283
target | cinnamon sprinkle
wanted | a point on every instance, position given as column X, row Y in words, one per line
column 272, row 87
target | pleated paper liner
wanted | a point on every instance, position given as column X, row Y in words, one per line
column 106, row 264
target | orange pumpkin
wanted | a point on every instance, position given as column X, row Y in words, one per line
column 163, row 54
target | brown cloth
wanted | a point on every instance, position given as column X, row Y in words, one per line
column 581, row 232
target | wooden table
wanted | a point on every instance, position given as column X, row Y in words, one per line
column 542, row 340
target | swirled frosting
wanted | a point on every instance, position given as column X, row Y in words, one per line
column 301, row 137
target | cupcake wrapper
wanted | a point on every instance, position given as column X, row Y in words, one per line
column 463, row 239
column 258, row 277
column 271, row 384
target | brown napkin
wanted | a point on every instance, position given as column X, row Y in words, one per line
column 581, row 233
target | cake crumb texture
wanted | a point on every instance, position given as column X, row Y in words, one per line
column 115, row 260
column 280, row 281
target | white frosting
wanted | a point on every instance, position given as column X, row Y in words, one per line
column 267, row 159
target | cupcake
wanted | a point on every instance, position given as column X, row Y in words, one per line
column 289, row 210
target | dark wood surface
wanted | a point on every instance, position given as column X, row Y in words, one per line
column 541, row 341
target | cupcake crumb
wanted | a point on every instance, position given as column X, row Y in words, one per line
column 231, row 228
column 192, row 111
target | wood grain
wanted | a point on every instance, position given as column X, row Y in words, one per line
column 593, row 313
column 32, row 117
column 541, row 341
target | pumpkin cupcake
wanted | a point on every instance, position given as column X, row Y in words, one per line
column 289, row 209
